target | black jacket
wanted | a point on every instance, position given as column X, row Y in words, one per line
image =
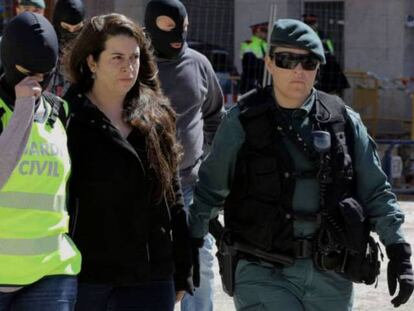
column 125, row 237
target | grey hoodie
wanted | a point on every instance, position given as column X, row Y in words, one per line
column 191, row 85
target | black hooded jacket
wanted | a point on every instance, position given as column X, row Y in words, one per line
column 124, row 235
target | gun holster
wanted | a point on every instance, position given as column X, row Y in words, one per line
column 227, row 259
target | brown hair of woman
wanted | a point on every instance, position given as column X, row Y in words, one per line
column 145, row 107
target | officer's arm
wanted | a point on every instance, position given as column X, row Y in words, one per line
column 212, row 108
column 373, row 190
column 14, row 137
column 216, row 174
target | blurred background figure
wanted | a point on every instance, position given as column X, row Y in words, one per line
column 68, row 19
column 331, row 78
column 34, row 6
column 252, row 54
column 312, row 21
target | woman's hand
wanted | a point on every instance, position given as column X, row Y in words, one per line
column 28, row 87
column 179, row 295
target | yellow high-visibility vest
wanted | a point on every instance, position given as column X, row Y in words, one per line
column 33, row 217
column 256, row 45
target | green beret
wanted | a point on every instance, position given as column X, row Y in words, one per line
column 37, row 3
column 297, row 34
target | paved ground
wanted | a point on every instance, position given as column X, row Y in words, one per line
column 367, row 298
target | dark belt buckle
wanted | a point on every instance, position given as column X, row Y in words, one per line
column 303, row 248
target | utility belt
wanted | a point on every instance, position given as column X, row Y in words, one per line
column 356, row 267
column 346, row 249
column 302, row 248
column 230, row 251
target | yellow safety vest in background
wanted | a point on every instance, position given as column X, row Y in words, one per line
column 256, row 45
column 33, row 216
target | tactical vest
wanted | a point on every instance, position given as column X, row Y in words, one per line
column 258, row 209
column 33, row 216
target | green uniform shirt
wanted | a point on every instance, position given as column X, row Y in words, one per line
column 373, row 191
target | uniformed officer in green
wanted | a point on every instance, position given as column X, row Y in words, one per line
column 38, row 260
column 299, row 177
column 252, row 54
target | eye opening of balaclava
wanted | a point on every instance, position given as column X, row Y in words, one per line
column 71, row 12
column 29, row 41
column 161, row 40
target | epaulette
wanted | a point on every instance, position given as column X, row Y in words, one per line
column 333, row 108
column 255, row 101
column 254, row 96
column 243, row 97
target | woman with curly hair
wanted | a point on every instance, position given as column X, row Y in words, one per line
column 125, row 199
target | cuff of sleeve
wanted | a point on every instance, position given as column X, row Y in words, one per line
column 394, row 237
column 184, row 283
column 399, row 251
column 197, row 230
column 198, row 226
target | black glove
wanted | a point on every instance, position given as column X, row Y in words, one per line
column 196, row 244
column 400, row 269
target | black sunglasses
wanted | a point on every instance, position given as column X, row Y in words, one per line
column 288, row 60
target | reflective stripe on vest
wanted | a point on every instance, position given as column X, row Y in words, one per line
column 30, row 247
column 33, row 217
column 38, row 201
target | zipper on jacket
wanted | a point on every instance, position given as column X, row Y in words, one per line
column 168, row 207
column 75, row 219
column 148, row 252
column 169, row 216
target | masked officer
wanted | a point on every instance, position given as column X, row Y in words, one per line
column 68, row 17
column 34, row 6
column 301, row 186
column 38, row 260
column 188, row 80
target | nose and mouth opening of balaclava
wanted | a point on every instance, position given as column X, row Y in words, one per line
column 29, row 41
column 161, row 40
column 71, row 12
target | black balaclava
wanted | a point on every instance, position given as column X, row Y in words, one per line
column 161, row 39
column 30, row 41
column 68, row 11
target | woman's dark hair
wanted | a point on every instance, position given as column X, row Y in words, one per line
column 145, row 107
